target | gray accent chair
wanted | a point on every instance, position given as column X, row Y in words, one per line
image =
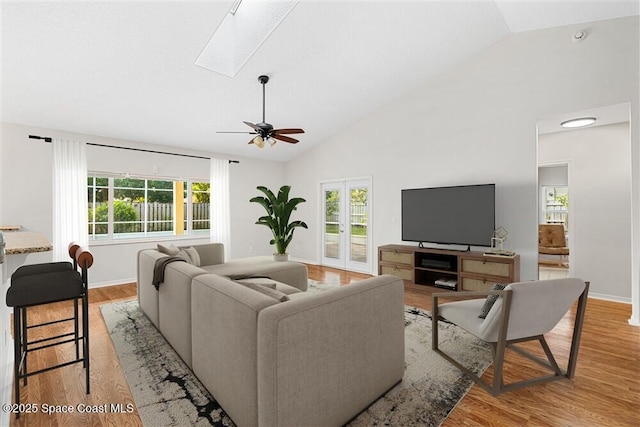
column 523, row 311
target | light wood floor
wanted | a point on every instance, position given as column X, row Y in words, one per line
column 605, row 392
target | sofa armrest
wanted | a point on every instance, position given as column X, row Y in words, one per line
column 224, row 336
column 210, row 253
column 174, row 307
column 147, row 293
column 322, row 359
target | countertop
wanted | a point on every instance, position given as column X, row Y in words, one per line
column 25, row 242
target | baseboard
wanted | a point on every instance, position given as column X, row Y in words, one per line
column 610, row 298
column 304, row 261
column 111, row 283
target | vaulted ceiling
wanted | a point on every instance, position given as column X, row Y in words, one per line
column 126, row 69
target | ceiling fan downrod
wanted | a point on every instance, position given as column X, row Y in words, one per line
column 263, row 81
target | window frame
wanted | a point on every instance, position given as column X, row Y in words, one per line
column 111, row 237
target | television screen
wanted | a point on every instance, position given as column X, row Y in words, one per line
column 463, row 215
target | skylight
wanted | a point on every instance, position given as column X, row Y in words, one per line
column 241, row 33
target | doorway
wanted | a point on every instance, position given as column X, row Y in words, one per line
column 346, row 214
column 553, row 221
column 600, row 196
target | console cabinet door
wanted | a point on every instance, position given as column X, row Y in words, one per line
column 396, row 263
column 479, row 274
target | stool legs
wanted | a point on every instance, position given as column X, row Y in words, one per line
column 24, row 342
column 17, row 354
column 21, row 344
column 75, row 327
column 85, row 337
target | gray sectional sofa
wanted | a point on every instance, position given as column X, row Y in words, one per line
column 316, row 359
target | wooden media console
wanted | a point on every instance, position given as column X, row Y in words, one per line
column 452, row 270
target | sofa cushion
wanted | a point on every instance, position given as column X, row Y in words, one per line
column 265, row 289
column 491, row 300
column 194, row 256
column 273, row 284
column 289, row 272
column 169, row 249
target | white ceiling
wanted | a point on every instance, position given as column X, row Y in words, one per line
column 126, row 69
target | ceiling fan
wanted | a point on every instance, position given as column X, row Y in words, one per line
column 265, row 131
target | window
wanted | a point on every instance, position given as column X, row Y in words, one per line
column 126, row 208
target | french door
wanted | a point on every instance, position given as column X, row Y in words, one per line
column 346, row 235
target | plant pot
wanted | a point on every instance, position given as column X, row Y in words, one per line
column 281, row 257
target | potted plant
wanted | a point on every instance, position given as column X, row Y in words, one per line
column 279, row 211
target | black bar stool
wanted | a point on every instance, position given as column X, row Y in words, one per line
column 47, row 283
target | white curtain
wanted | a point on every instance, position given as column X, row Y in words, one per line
column 70, row 206
column 220, row 211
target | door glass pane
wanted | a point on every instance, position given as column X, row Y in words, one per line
column 358, row 224
column 332, row 224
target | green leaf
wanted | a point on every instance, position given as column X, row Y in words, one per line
column 279, row 210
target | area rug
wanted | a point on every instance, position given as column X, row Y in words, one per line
column 167, row 393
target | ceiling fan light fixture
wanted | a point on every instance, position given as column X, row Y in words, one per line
column 578, row 122
column 258, row 141
column 265, row 131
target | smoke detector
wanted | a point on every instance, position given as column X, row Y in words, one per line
column 579, row 36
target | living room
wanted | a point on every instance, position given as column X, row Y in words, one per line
column 471, row 122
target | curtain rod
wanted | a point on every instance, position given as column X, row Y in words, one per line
column 49, row 139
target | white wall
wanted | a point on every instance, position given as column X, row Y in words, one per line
column 600, row 200
column 477, row 124
column 27, row 198
column 553, row 175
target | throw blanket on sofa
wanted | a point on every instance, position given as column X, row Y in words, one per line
column 158, row 269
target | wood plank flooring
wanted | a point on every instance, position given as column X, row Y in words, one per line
column 605, row 392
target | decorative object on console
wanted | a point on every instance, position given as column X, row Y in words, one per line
column 497, row 243
column 265, row 131
column 279, row 211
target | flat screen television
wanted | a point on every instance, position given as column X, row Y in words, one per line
column 461, row 215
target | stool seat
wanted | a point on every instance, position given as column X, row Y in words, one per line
column 48, row 267
column 44, row 288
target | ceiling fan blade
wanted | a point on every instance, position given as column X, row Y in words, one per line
column 246, row 133
column 289, row 130
column 284, row 138
column 251, row 125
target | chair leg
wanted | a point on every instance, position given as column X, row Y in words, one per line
column 75, row 327
column 85, row 335
column 17, row 350
column 498, row 363
column 25, row 343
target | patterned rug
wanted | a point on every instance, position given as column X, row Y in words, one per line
column 167, row 393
